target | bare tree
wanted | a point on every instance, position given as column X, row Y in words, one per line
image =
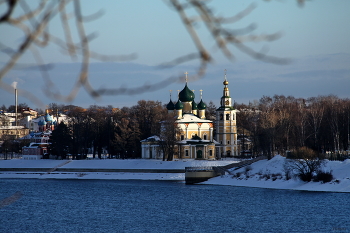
column 169, row 135
column 316, row 113
column 306, row 163
column 300, row 122
column 34, row 24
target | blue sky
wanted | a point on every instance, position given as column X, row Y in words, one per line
column 315, row 36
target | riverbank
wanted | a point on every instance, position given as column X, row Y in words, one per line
column 261, row 174
column 270, row 174
column 130, row 169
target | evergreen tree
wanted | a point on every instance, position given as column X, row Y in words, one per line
column 61, row 141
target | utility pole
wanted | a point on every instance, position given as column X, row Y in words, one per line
column 348, row 133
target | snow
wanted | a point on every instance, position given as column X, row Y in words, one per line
column 257, row 177
column 143, row 164
column 19, row 163
column 263, row 174
column 105, row 164
column 192, row 118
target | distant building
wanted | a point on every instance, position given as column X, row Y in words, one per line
column 8, row 131
column 38, row 147
column 34, row 151
column 151, row 148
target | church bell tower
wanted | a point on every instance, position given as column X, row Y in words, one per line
column 226, row 128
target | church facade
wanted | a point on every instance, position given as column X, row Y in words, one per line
column 195, row 139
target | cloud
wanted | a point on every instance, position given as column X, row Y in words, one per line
column 249, row 80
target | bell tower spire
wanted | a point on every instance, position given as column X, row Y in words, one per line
column 226, row 99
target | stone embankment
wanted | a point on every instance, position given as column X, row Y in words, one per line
column 50, row 170
column 195, row 175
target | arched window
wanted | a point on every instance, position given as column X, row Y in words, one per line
column 205, row 137
column 227, row 116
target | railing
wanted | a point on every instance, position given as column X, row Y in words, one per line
column 196, row 169
column 243, row 163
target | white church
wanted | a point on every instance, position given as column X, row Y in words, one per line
column 196, row 139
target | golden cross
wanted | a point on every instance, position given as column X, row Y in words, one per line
column 186, row 73
column 201, row 92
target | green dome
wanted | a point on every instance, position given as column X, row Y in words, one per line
column 201, row 105
column 186, row 95
column 194, row 105
column 170, row 105
column 179, row 105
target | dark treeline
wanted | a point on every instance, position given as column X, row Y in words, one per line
column 273, row 124
column 100, row 129
column 278, row 124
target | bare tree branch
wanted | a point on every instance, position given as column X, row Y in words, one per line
column 34, row 24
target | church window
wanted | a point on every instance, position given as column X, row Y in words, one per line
column 221, row 116
column 205, row 137
column 182, row 137
column 227, row 117
column 210, row 152
column 228, row 142
column 227, row 102
column 186, row 153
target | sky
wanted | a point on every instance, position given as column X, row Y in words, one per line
column 316, row 37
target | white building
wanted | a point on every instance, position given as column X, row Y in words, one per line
column 196, row 139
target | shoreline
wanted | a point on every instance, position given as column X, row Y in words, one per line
column 261, row 174
column 94, row 176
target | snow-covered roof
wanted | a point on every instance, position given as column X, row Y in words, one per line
column 194, row 141
column 191, row 118
column 151, row 139
column 216, row 143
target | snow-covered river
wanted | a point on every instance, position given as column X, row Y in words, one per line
column 163, row 206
